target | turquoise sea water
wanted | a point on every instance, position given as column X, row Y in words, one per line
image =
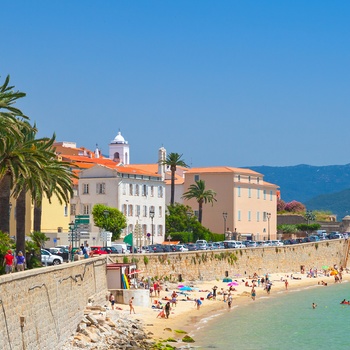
column 283, row 321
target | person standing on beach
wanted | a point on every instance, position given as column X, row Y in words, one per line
column 198, row 303
column 131, row 305
column 214, row 292
column 286, row 283
column 229, row 300
column 253, row 293
column 112, row 300
column 167, row 309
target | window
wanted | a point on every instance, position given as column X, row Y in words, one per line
column 249, row 193
column 270, row 195
column 248, row 178
column 125, row 209
column 160, row 230
column 196, row 213
column 258, row 216
column 258, row 179
column 131, row 188
column 264, row 216
column 100, row 188
column 137, row 190
column 196, row 178
column 152, row 191
column 239, row 215
column 160, row 211
column 124, row 188
column 65, row 210
column 144, row 190
column 85, row 188
column 145, row 211
column 130, row 210
column 239, row 191
column 138, row 210
column 239, row 177
column 249, row 215
column 160, row 191
column 73, row 209
column 86, row 209
column 258, row 193
column 264, row 195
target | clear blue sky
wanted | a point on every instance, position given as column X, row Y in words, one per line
column 236, row 83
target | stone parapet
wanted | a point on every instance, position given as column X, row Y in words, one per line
column 41, row 308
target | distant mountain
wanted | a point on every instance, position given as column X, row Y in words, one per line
column 318, row 187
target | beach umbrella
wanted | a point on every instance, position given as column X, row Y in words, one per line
column 232, row 284
column 186, row 288
column 180, row 286
column 325, row 267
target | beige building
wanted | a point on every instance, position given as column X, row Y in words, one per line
column 249, row 202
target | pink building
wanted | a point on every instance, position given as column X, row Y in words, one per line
column 246, row 204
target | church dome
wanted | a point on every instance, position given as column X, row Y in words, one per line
column 119, row 139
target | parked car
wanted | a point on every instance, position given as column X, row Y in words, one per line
column 218, row 245
column 156, row 248
column 48, row 258
column 192, row 246
column 231, row 245
column 314, row 238
column 96, row 250
column 252, row 244
column 202, row 246
column 277, row 242
column 181, row 248
column 168, row 248
column 63, row 252
column 261, row 244
column 111, row 250
column 335, row 235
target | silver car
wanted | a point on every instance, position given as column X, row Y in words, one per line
column 48, row 258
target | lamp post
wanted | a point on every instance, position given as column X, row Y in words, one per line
column 151, row 215
column 71, row 228
column 224, row 215
column 268, row 215
column 106, row 215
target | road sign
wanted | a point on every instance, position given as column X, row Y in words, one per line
column 83, row 227
column 82, row 219
column 106, row 236
column 73, row 236
column 84, row 235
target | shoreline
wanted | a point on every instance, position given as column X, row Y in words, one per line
column 186, row 317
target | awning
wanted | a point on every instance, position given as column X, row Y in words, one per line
column 134, row 272
column 171, row 242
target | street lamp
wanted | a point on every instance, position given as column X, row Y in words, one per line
column 71, row 228
column 106, row 215
column 268, row 215
column 151, row 215
column 224, row 215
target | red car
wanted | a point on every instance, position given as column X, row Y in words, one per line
column 98, row 250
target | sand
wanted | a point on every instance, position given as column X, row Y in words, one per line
column 185, row 315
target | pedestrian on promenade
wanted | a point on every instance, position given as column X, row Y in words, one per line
column 20, row 261
column 9, row 261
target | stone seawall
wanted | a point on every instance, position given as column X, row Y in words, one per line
column 216, row 264
column 49, row 302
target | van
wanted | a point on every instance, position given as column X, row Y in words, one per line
column 121, row 247
column 322, row 234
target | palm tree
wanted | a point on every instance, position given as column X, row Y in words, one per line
column 201, row 195
column 173, row 160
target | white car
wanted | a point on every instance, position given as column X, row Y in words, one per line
column 182, row 248
column 48, row 258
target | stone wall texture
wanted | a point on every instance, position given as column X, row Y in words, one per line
column 215, row 264
column 51, row 301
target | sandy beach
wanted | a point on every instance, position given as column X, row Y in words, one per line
column 185, row 315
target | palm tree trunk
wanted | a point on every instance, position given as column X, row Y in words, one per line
column 37, row 217
column 172, row 194
column 5, row 191
column 21, row 222
column 200, row 210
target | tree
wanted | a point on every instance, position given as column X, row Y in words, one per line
column 281, row 205
column 295, row 207
column 109, row 219
column 310, row 216
column 173, row 160
column 183, row 225
column 201, row 195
